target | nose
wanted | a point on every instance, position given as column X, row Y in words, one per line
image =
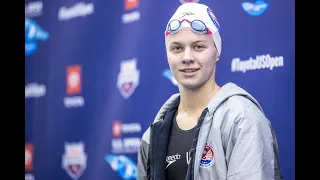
column 187, row 56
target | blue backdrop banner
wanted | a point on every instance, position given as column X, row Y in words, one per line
column 96, row 74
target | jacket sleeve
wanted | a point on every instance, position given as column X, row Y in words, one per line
column 252, row 147
column 142, row 161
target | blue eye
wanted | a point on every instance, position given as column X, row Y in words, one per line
column 176, row 48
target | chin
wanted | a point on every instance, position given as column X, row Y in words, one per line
column 190, row 84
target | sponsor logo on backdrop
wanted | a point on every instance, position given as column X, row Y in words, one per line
column 128, row 77
column 167, row 73
column 187, row 1
column 33, row 34
column 28, row 155
column 258, row 63
column 116, row 129
column 73, row 79
column 34, row 90
column 125, row 167
column 120, row 128
column 29, row 176
column 256, row 8
column 134, row 15
column 80, row 9
column 129, row 145
column 131, row 4
column 74, row 159
column 33, row 9
column 125, row 144
column 73, row 87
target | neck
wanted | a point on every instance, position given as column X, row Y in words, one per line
column 194, row 101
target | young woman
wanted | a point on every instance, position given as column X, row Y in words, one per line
column 205, row 131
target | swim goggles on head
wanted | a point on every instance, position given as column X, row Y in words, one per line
column 196, row 25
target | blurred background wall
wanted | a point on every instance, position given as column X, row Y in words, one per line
column 96, row 74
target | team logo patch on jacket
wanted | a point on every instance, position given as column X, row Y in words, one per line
column 208, row 156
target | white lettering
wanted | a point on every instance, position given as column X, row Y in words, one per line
column 131, row 128
column 78, row 10
column 125, row 145
column 34, row 90
column 33, row 9
column 75, row 101
column 173, row 157
column 131, row 143
column 261, row 62
column 131, row 17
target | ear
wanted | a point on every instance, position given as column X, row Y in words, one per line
column 217, row 59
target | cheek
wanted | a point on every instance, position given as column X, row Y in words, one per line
column 173, row 61
column 208, row 63
column 211, row 64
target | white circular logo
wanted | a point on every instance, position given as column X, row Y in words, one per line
column 74, row 79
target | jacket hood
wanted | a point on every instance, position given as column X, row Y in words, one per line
column 226, row 91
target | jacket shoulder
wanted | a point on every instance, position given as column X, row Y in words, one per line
column 241, row 110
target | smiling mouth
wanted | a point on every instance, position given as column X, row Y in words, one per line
column 189, row 70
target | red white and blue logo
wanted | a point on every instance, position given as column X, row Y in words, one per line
column 208, row 156
column 213, row 18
